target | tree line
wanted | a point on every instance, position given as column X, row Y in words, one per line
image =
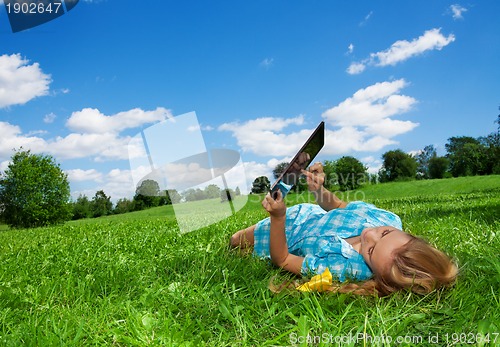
column 465, row 156
column 34, row 191
column 147, row 195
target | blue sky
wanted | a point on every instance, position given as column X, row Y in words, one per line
column 260, row 75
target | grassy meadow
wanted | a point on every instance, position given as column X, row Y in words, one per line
column 135, row 280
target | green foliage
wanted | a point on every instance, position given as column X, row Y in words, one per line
column 466, row 156
column 101, row 204
column 134, row 280
column 261, row 185
column 173, row 197
column 491, row 145
column 331, row 178
column 279, row 169
column 212, row 191
column 397, row 166
column 148, row 188
column 437, row 167
column 82, row 207
column 351, row 173
column 147, row 195
column 124, row 205
column 424, row 161
column 34, row 191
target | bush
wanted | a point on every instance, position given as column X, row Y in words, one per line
column 34, row 191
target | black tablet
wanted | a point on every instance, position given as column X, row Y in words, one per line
column 301, row 161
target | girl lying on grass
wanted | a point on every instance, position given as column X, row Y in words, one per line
column 355, row 241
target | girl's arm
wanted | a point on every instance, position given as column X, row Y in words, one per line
column 315, row 178
column 278, row 247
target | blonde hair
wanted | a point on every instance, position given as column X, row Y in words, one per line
column 417, row 266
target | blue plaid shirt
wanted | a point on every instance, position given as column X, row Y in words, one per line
column 319, row 237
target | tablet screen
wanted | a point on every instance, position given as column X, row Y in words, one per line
column 301, row 161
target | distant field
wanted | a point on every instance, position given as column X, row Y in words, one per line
column 432, row 187
column 134, row 280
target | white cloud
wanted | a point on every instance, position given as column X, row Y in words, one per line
column 119, row 184
column 356, row 68
column 254, row 170
column 12, row 138
column 264, row 136
column 91, row 120
column 364, row 121
column 416, row 152
column 373, row 164
column 101, row 147
column 457, row 11
column 267, row 63
column 20, row 82
column 366, row 19
column 403, row 50
column 370, row 105
column 350, row 48
column 116, row 183
column 49, row 118
column 4, row 165
column 361, row 123
column 99, row 137
column 79, row 175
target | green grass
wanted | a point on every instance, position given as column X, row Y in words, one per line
column 134, row 280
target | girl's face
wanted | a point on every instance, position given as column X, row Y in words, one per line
column 378, row 244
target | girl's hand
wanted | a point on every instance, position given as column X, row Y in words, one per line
column 315, row 177
column 276, row 208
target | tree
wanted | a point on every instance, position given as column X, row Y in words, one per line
column 261, row 185
column 397, row 166
column 491, row 144
column 438, row 167
column 101, row 204
column 147, row 194
column 465, row 155
column 423, row 159
column 124, row 205
column 82, row 207
column 148, row 188
column 492, row 153
column 34, row 191
column 173, row 197
column 278, row 170
column 227, row 195
column 331, row 177
column 212, row 191
column 498, row 121
column 192, row 194
column 351, row 173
